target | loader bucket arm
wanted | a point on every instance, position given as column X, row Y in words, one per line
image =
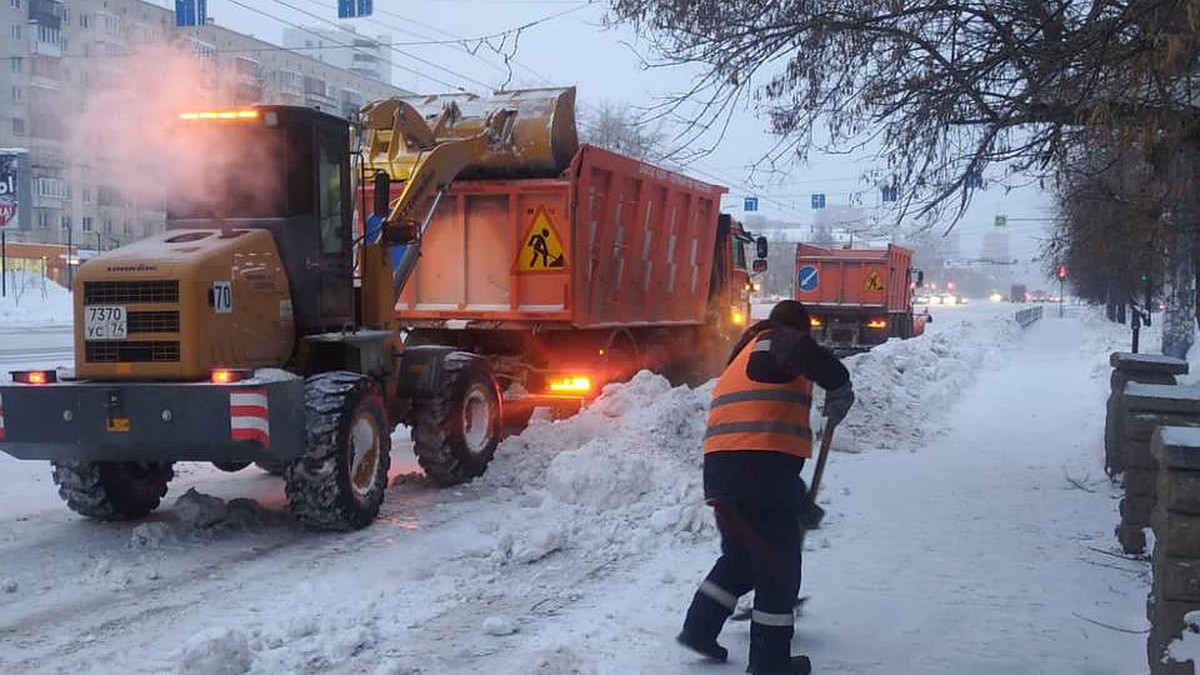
column 425, row 143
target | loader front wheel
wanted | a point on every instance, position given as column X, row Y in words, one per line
column 456, row 431
column 112, row 490
column 339, row 482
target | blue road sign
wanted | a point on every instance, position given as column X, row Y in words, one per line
column 351, row 9
column 818, row 200
column 751, row 204
column 190, row 12
column 890, row 194
column 807, row 278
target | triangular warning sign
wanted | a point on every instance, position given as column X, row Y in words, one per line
column 541, row 248
column 873, row 282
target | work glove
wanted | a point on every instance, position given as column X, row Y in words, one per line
column 838, row 402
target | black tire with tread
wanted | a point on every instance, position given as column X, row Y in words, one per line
column 438, row 436
column 112, row 490
column 318, row 484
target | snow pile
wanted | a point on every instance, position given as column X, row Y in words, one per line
column 596, row 480
column 32, row 299
column 904, row 388
column 202, row 515
column 219, row 651
column 1187, row 647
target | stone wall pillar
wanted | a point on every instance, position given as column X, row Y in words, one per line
column 1145, row 407
column 1128, row 367
column 1176, row 587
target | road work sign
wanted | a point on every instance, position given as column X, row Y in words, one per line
column 874, row 283
column 541, row 248
column 807, row 278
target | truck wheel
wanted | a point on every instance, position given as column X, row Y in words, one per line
column 231, row 467
column 338, row 483
column 456, row 431
column 112, row 490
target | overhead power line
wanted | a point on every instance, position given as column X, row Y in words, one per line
column 317, row 35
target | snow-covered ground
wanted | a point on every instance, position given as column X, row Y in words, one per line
column 969, row 531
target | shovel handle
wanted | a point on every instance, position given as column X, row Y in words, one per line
column 822, row 457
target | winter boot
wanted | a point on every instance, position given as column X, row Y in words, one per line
column 706, row 647
column 797, row 665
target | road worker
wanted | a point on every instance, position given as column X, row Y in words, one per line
column 757, row 440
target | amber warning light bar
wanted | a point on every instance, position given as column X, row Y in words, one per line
column 220, row 115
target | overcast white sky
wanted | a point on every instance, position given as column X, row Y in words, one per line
column 573, row 48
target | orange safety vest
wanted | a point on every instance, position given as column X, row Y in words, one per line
column 757, row 416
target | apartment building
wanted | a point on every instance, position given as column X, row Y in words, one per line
column 57, row 51
column 343, row 48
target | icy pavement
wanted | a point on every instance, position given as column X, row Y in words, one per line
column 970, row 534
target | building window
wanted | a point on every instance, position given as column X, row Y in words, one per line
column 18, row 126
column 43, row 219
column 16, row 31
column 66, row 222
column 87, row 195
column 84, row 21
column 18, row 94
column 108, row 225
column 16, row 64
column 15, row 4
column 86, row 224
column 126, row 228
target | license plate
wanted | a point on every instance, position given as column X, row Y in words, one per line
column 105, row 322
column 118, row 424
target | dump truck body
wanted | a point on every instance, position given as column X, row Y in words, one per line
column 554, row 276
column 857, row 298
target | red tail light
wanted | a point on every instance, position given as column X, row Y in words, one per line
column 877, row 323
column 229, row 375
column 34, row 376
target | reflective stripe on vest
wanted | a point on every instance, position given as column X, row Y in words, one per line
column 749, row 415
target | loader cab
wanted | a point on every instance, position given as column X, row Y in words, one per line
column 282, row 168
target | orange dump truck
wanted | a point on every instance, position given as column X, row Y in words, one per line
column 568, row 281
column 858, row 297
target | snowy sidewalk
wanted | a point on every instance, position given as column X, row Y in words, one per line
column 978, row 554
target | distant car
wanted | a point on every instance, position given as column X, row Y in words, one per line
column 952, row 299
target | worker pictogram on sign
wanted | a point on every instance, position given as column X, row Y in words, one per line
column 541, row 248
column 806, row 279
column 874, row 283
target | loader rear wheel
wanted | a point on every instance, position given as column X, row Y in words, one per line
column 456, row 431
column 112, row 490
column 339, row 482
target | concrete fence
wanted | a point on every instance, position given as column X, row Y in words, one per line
column 1152, row 441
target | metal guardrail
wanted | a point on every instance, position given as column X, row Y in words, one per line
column 1027, row 317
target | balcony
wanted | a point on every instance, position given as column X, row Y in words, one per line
column 42, row 48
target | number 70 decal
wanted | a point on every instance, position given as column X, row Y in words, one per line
column 222, row 297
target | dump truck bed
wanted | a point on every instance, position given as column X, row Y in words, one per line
column 612, row 242
column 877, row 279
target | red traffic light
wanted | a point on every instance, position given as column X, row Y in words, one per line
column 1062, row 271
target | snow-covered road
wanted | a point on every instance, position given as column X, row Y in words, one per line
column 968, row 532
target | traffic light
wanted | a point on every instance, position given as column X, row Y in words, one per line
column 1062, row 272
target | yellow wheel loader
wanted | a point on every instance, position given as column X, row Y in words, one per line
column 259, row 327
